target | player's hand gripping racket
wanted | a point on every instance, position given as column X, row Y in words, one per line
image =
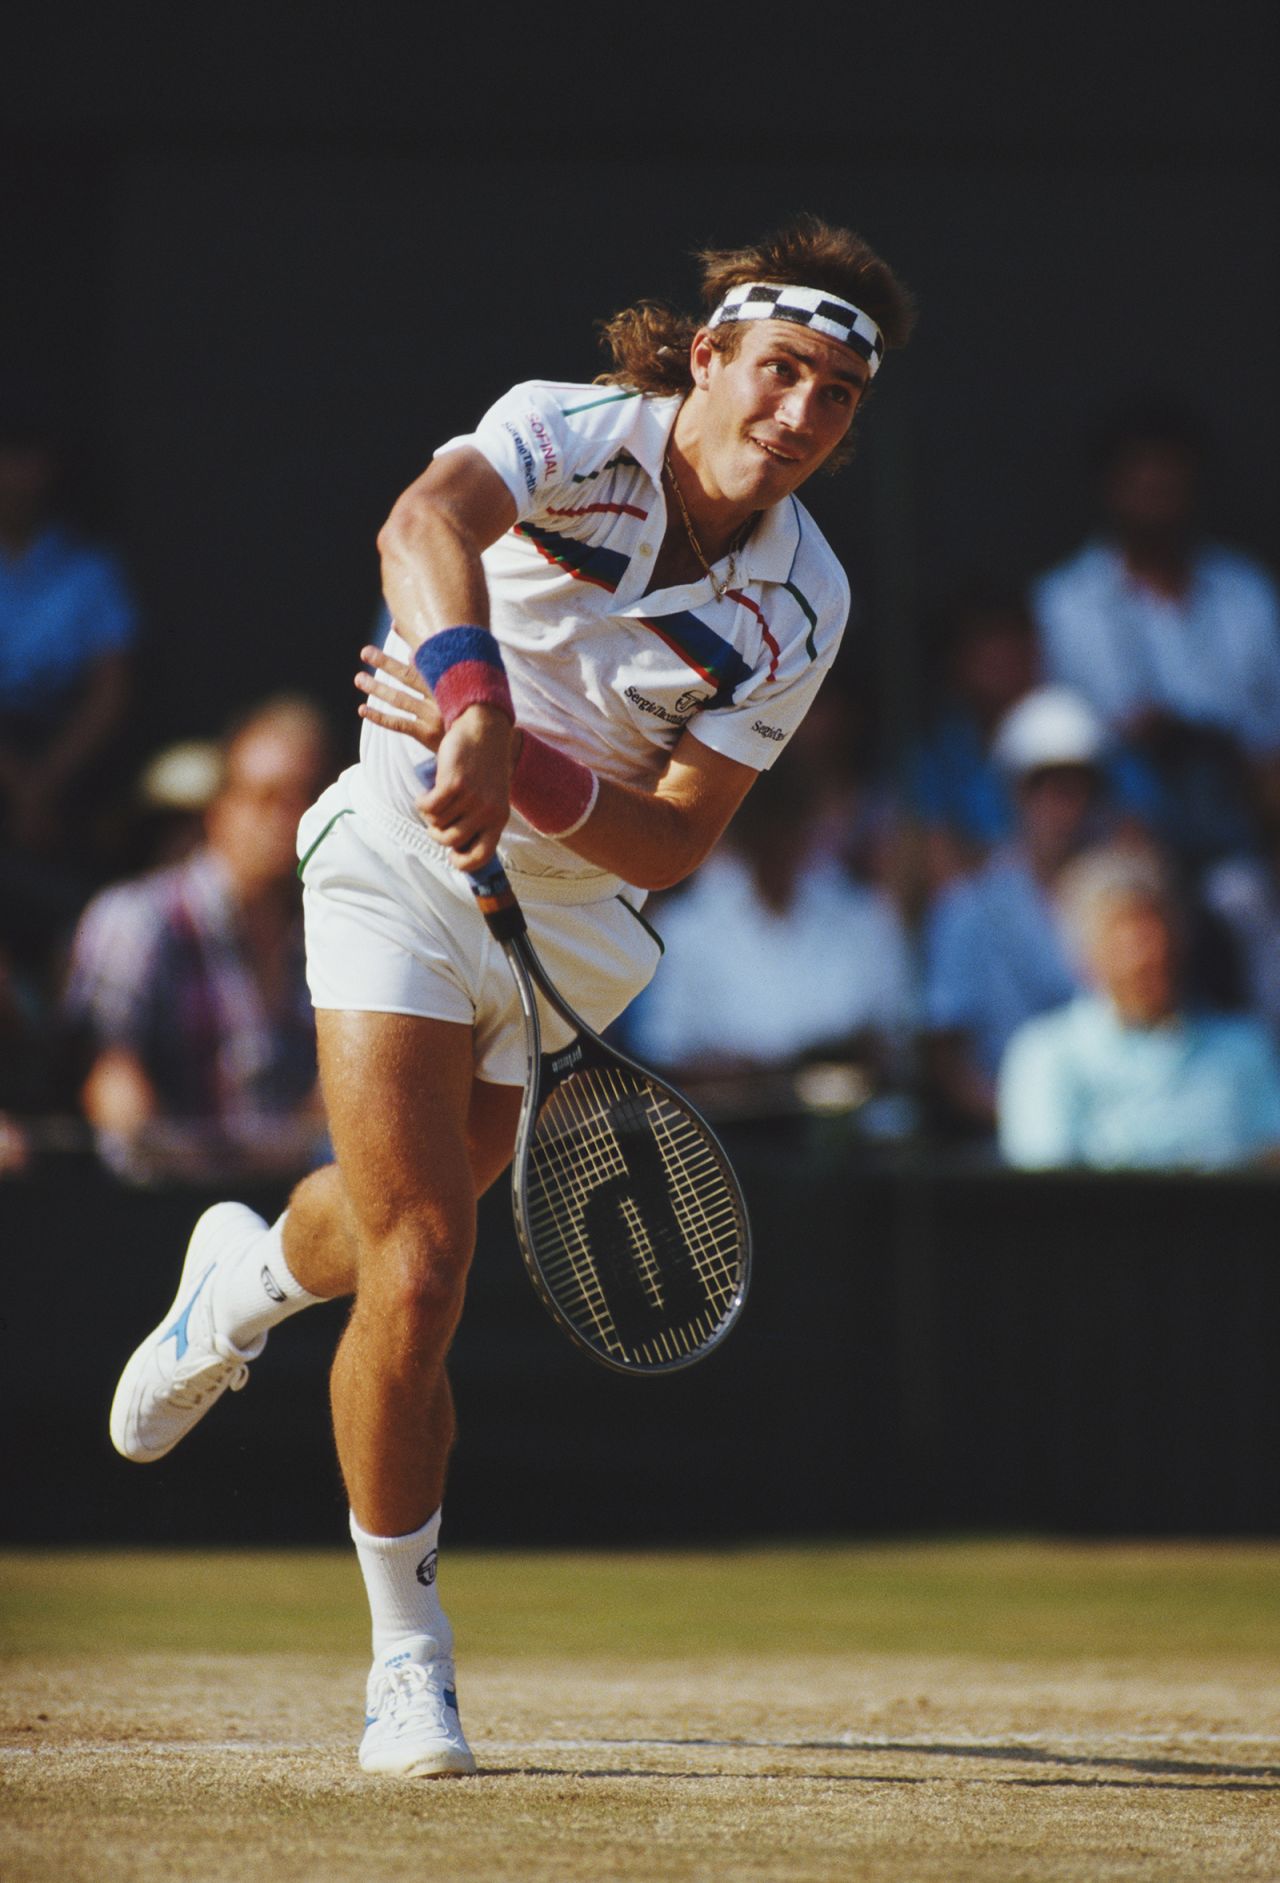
column 629, row 1218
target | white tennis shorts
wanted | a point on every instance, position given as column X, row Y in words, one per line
column 392, row 929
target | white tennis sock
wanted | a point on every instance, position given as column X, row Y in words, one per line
column 400, row 1580
column 255, row 1293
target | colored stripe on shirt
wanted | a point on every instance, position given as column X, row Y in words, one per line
column 590, row 509
column 586, row 562
column 810, row 645
column 775, row 652
column 586, row 477
column 701, row 648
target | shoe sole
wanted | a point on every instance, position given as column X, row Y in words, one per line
column 124, row 1402
column 447, row 1763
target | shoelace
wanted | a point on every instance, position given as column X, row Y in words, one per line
column 402, row 1691
column 194, row 1380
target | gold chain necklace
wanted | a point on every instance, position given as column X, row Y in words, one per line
column 718, row 588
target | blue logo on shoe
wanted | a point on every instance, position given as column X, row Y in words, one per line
column 178, row 1332
column 451, row 1698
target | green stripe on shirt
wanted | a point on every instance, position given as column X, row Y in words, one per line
column 810, row 645
column 609, row 398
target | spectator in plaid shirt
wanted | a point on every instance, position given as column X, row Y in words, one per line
column 188, row 983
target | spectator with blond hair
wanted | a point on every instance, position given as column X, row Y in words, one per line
column 1128, row 1075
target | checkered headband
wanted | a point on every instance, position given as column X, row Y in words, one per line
column 807, row 307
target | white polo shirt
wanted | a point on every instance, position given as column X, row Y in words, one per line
column 600, row 667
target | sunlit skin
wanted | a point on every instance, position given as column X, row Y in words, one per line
column 757, row 425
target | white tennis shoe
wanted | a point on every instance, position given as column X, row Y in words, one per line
column 411, row 1724
column 185, row 1364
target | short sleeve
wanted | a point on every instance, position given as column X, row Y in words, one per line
column 801, row 634
column 527, row 439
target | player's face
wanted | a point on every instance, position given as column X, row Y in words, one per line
column 772, row 413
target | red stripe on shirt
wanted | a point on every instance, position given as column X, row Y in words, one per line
column 775, row 652
column 617, row 509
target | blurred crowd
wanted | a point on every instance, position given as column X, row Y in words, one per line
column 1045, row 930
column 153, row 1004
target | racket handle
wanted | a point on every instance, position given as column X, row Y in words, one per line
column 495, row 898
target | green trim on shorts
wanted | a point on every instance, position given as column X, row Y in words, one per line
column 348, row 810
column 648, row 927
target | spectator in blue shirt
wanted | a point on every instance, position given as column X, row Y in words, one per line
column 1127, row 1076
column 994, row 952
column 67, row 627
column 1174, row 639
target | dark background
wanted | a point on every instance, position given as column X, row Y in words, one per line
column 919, row 1352
column 267, row 258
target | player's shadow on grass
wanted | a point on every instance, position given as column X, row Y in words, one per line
column 698, row 1778
column 1032, row 1755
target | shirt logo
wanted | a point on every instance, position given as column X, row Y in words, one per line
column 768, row 732
column 545, row 445
column 525, row 456
column 686, row 706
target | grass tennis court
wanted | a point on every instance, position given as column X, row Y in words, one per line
column 942, row 1711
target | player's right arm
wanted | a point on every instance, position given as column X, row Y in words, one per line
column 433, row 578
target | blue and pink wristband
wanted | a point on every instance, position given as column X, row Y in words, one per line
column 463, row 667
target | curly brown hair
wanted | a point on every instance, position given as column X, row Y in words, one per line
column 649, row 342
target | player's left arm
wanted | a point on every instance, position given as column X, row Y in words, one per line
column 656, row 838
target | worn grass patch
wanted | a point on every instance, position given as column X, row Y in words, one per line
column 958, row 1713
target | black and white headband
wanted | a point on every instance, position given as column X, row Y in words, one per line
column 807, row 307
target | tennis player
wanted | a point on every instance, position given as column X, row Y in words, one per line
column 611, row 615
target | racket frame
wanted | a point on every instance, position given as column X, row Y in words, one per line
column 498, row 906
column 528, row 973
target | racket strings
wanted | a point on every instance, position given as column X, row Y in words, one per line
column 634, row 1221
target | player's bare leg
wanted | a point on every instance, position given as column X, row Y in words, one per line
column 405, row 1112
column 318, row 1230
column 241, row 1278
column 407, row 1118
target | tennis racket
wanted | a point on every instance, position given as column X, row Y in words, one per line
column 629, row 1218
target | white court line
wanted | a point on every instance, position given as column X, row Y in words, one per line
column 841, row 1742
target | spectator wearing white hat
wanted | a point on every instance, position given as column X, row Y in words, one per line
column 994, row 949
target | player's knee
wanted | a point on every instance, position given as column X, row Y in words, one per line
column 418, row 1283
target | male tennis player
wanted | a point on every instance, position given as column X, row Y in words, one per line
column 621, row 613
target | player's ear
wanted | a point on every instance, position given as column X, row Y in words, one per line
column 701, row 354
